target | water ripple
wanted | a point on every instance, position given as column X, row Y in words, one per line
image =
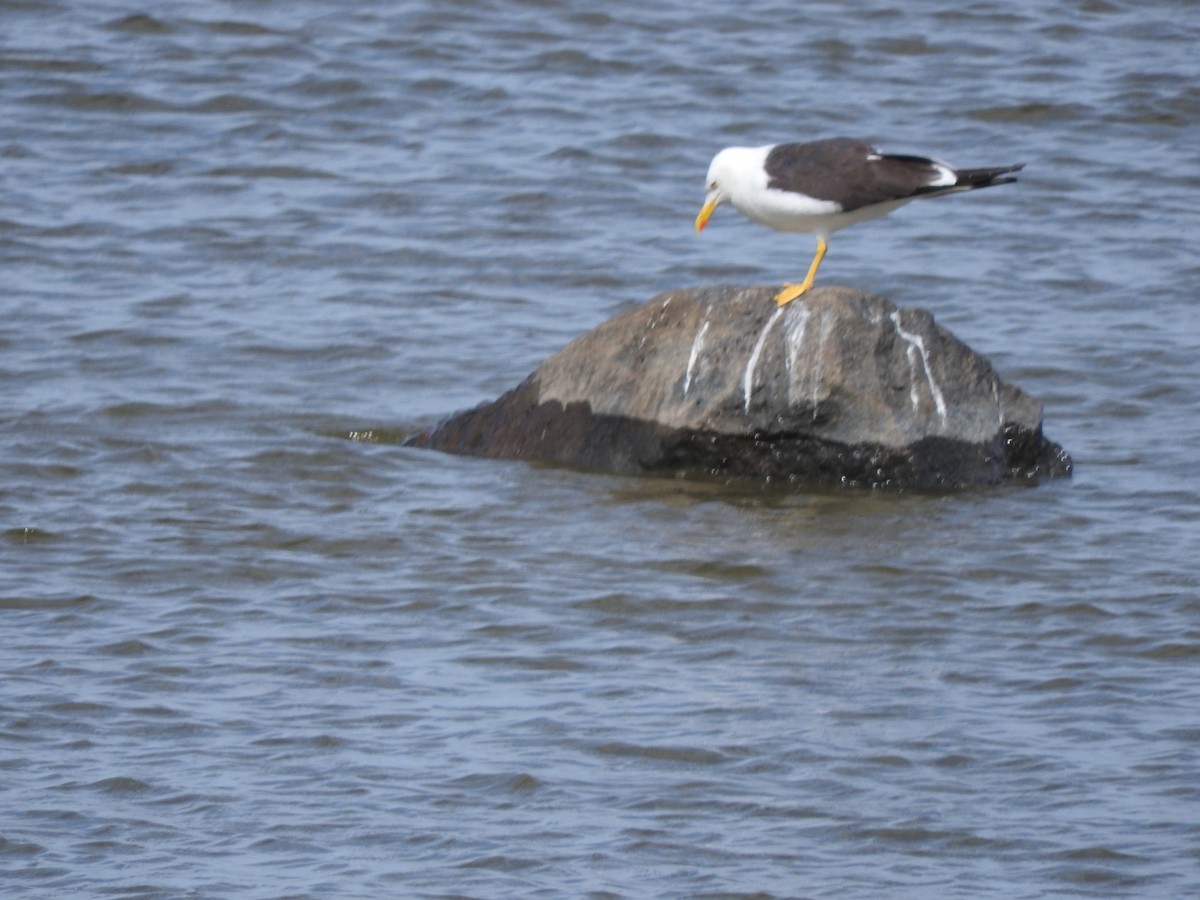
column 255, row 647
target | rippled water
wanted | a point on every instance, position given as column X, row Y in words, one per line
column 252, row 647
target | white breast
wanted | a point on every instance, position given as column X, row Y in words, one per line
column 745, row 180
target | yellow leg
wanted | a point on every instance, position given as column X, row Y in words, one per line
column 791, row 291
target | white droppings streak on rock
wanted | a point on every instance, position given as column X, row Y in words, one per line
column 697, row 349
column 916, row 350
column 827, row 325
column 795, row 324
column 656, row 321
column 748, row 379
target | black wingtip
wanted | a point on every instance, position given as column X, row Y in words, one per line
column 977, row 178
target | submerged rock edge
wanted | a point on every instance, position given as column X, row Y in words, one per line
column 518, row 426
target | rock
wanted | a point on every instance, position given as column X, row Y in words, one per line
column 838, row 387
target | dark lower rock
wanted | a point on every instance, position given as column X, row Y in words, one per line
column 837, row 388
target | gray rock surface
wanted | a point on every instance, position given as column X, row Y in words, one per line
column 838, row 387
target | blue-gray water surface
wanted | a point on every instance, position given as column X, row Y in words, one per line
column 251, row 646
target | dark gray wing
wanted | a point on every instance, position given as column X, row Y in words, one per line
column 853, row 174
column 848, row 172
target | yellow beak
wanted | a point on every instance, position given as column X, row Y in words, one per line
column 706, row 212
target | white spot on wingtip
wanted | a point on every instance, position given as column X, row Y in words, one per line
column 917, row 350
column 752, row 364
column 697, row 349
column 946, row 175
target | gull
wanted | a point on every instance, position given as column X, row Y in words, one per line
column 823, row 186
